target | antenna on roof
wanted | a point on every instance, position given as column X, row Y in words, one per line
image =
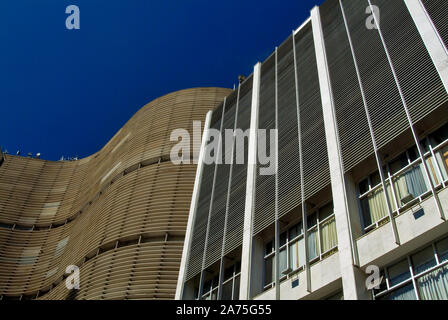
column 18, row 153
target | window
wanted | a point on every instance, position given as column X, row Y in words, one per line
column 406, row 180
column 442, row 249
column 399, row 272
column 434, row 285
column 404, row 293
column 322, row 241
column 423, row 260
column 428, row 279
column 230, row 285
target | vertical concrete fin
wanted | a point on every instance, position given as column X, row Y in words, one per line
column 352, row 287
column 430, row 37
column 193, row 208
column 250, row 188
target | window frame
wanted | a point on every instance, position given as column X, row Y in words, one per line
column 413, row 278
column 291, row 241
column 439, row 180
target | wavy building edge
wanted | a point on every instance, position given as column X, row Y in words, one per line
column 119, row 215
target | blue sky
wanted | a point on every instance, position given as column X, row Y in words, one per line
column 67, row 92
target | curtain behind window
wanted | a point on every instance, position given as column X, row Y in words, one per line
column 434, row 286
column 411, row 183
column 328, row 235
column 404, row 293
column 374, row 206
column 313, row 244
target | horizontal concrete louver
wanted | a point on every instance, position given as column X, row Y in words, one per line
column 60, row 247
column 264, row 186
column 50, row 209
column 237, row 196
column 289, row 187
column 355, row 140
column 126, row 234
column 29, row 255
column 314, row 148
column 316, row 171
column 438, row 11
column 51, row 272
column 203, row 208
column 418, row 78
column 218, row 209
column 421, row 84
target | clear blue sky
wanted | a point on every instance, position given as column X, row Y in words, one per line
column 67, row 92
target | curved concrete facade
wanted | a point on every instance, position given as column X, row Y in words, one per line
column 119, row 215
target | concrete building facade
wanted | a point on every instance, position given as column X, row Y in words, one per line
column 119, row 215
column 358, row 95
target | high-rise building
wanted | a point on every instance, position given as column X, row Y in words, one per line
column 119, row 215
column 358, row 98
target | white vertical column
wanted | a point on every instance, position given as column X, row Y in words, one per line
column 246, row 255
column 431, row 38
column 193, row 209
column 352, row 277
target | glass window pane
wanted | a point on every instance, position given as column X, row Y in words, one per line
column 363, row 186
column 294, row 256
column 413, row 153
column 442, row 160
column 301, row 250
column 399, row 272
column 375, row 179
column 227, row 291
column 328, row 235
column 374, row 206
column 313, row 244
column 228, row 273
column 423, row 260
column 432, row 170
column 207, row 286
column 216, row 281
column 405, row 293
column 295, row 231
column 325, row 212
column 442, row 250
column 366, row 214
column 215, row 294
column 434, row 286
column 282, row 238
column 268, row 270
column 399, row 163
column 410, row 184
column 269, row 248
column 238, row 267
column 236, row 290
column 311, row 220
column 283, row 263
column 440, row 135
